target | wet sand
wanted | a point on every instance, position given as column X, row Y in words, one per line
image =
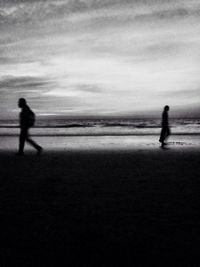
column 117, row 205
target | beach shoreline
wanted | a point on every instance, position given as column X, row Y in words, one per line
column 102, row 142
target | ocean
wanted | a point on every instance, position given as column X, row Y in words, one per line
column 102, row 127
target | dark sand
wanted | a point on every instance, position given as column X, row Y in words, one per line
column 100, row 208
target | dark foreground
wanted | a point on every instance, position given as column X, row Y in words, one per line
column 138, row 208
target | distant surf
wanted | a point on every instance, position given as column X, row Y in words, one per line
column 101, row 127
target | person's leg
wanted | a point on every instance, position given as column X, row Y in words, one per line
column 33, row 143
column 168, row 132
column 22, row 138
column 163, row 136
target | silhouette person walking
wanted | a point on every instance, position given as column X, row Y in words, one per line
column 27, row 119
column 165, row 132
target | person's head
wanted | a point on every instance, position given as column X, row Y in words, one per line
column 166, row 108
column 21, row 102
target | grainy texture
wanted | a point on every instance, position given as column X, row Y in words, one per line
column 100, row 208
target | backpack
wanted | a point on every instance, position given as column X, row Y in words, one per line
column 31, row 119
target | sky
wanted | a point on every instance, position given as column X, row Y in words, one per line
column 100, row 57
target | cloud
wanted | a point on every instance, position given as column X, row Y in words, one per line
column 15, row 83
column 94, row 89
column 20, row 12
column 91, row 55
column 6, row 60
column 189, row 93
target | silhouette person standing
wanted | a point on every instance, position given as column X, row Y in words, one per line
column 27, row 119
column 165, row 132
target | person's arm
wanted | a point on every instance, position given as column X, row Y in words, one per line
column 165, row 119
column 24, row 117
